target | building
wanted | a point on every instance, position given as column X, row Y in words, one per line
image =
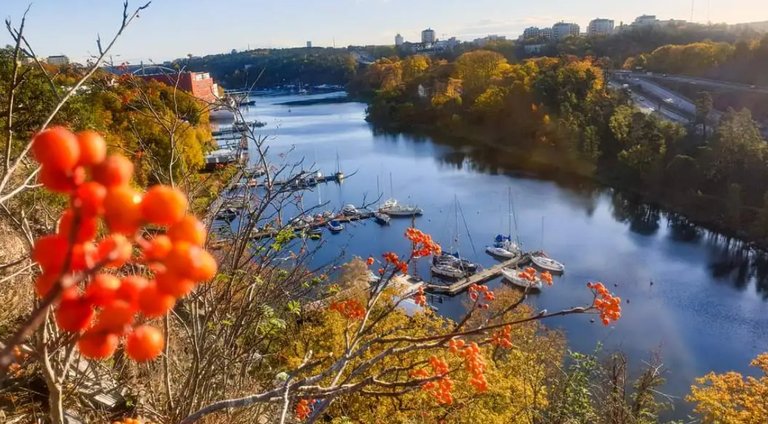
column 57, row 60
column 482, row 42
column 645, row 21
column 428, row 36
column 600, row 26
column 561, row 30
column 531, row 32
column 198, row 84
column 448, row 44
column 546, row 33
column 399, row 40
column 309, row 44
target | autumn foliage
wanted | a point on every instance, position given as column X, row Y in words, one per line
column 81, row 272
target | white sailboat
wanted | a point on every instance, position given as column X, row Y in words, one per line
column 513, row 276
column 504, row 247
column 392, row 208
column 452, row 264
column 544, row 262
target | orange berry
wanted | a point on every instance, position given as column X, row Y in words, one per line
column 103, row 289
column 93, row 149
column 87, row 226
column 157, row 248
column 74, row 315
column 144, row 343
column 115, row 170
column 173, row 285
column 44, row 283
column 191, row 261
column 130, row 287
column 115, row 317
column 56, row 148
column 122, row 210
column 61, row 181
column 154, row 303
column 50, row 252
column 89, row 198
column 116, row 248
column 98, row 345
column 189, row 229
column 163, row 205
column 83, row 256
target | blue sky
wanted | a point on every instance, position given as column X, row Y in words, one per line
column 174, row 28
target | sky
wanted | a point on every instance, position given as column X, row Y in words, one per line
column 170, row 29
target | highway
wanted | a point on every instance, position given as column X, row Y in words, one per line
column 667, row 110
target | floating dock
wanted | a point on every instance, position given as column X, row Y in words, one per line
column 477, row 278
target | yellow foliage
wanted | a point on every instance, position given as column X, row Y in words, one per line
column 730, row 398
column 517, row 377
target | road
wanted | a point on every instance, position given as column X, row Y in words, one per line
column 665, row 110
column 704, row 82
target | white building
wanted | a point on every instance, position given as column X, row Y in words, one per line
column 428, row 36
column 309, row 44
column 561, row 30
column 482, row 42
column 57, row 60
column 448, row 44
column 399, row 40
column 645, row 20
column 600, row 26
column 534, row 48
column 546, row 33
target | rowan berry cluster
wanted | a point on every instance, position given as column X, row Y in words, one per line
column 608, row 305
column 423, row 245
column 476, row 290
column 440, row 388
column 351, row 309
column 392, row 258
column 304, row 408
column 102, row 307
column 420, row 298
column 502, row 338
column 475, row 365
column 131, row 421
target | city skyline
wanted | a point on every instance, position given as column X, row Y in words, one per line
column 211, row 30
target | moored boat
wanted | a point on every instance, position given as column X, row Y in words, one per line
column 381, row 218
column 402, row 210
column 447, row 270
column 544, row 262
column 454, row 260
column 349, row 210
column 335, row 226
column 518, row 279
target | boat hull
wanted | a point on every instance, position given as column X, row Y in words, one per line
column 513, row 277
column 548, row 264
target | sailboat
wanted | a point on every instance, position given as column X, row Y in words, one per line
column 452, row 265
column 392, row 208
column 503, row 246
column 541, row 260
column 514, row 276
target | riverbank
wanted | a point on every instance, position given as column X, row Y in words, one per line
column 548, row 163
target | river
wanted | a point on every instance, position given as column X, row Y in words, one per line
column 690, row 295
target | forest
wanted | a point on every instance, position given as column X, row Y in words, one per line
column 560, row 114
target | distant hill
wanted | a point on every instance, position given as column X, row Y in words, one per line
column 755, row 26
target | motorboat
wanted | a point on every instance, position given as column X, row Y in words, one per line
column 516, row 277
column 401, row 210
column 447, row 270
column 335, row 226
column 544, row 262
column 381, row 218
column 315, row 234
column 454, row 260
column 349, row 210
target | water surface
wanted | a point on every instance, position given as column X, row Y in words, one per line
column 693, row 297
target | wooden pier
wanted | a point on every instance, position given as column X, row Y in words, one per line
column 258, row 235
column 477, row 278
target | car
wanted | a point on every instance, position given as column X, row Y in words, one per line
column 753, row 86
column 669, row 100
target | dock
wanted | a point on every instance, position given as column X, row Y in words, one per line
column 477, row 278
column 271, row 233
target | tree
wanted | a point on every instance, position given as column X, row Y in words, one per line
column 731, row 398
column 703, row 105
column 477, row 69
